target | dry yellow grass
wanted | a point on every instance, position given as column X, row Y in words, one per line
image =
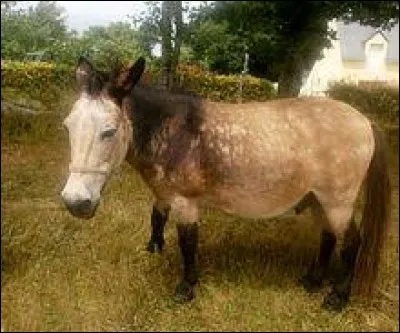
column 60, row 273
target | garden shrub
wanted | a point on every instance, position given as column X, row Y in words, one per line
column 43, row 82
column 375, row 98
column 46, row 82
column 224, row 87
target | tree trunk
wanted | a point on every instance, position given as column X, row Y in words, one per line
column 171, row 12
column 178, row 35
column 166, row 43
column 290, row 79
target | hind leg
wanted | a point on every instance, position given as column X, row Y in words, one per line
column 341, row 222
column 315, row 275
column 159, row 217
column 340, row 293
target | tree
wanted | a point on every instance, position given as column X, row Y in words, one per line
column 7, row 5
column 43, row 27
column 284, row 38
column 216, row 49
column 117, row 42
column 171, row 17
column 162, row 23
column 32, row 29
column 149, row 26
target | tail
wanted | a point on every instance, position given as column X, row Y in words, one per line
column 376, row 217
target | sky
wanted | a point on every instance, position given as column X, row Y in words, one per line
column 82, row 14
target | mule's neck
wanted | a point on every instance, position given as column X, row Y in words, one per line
column 145, row 114
column 158, row 118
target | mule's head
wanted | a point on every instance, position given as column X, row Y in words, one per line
column 99, row 133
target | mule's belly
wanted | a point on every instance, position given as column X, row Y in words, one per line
column 256, row 173
column 248, row 205
column 261, row 191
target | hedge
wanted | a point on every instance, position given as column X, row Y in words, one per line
column 46, row 82
column 41, row 81
column 224, row 87
column 376, row 99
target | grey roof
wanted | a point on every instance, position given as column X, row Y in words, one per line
column 353, row 36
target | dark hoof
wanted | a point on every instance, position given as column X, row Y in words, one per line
column 310, row 283
column 184, row 292
column 152, row 246
column 334, row 302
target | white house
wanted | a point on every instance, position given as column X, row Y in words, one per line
column 361, row 53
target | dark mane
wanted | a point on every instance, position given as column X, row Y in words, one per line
column 101, row 79
column 153, row 106
column 165, row 99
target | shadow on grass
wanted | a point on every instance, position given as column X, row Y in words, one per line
column 265, row 253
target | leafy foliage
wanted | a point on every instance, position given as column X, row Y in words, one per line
column 46, row 82
column 283, row 39
column 43, row 28
column 216, row 49
column 34, row 29
column 149, row 26
column 371, row 98
column 162, row 24
column 115, row 42
column 224, row 87
column 41, row 81
column 149, row 23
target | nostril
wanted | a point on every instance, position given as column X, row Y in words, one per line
column 85, row 204
column 78, row 206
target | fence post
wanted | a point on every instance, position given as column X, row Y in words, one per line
column 245, row 70
column 240, row 87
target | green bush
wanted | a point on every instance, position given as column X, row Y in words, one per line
column 46, row 82
column 227, row 88
column 224, row 88
column 376, row 99
column 40, row 81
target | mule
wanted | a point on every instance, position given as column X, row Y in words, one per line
column 255, row 160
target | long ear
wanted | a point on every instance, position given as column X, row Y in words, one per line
column 127, row 79
column 84, row 72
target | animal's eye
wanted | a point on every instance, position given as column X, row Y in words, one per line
column 108, row 133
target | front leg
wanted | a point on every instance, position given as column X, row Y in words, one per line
column 187, row 213
column 188, row 243
column 159, row 217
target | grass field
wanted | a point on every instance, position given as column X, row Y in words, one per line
column 60, row 273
